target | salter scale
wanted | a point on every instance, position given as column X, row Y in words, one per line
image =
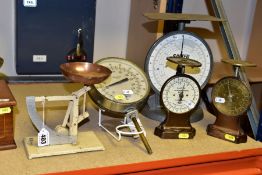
column 178, row 43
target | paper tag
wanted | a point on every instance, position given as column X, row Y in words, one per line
column 5, row 110
column 39, row 58
column 43, row 137
column 128, row 92
column 220, row 100
column 30, row 3
column 183, row 135
column 230, row 137
column 120, row 97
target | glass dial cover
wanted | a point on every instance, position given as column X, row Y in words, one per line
column 230, row 96
column 178, row 43
column 136, row 82
column 126, row 87
column 180, row 94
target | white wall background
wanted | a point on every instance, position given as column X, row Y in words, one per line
column 112, row 20
column 7, row 36
column 240, row 16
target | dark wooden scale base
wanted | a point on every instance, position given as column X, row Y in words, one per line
column 6, row 119
column 175, row 126
column 227, row 128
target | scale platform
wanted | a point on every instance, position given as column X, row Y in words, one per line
column 181, row 17
column 86, row 141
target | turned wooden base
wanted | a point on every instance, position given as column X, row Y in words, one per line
column 227, row 128
column 226, row 134
column 176, row 126
column 175, row 133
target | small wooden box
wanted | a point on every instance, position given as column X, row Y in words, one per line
column 7, row 101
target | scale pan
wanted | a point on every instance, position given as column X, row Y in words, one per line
column 83, row 72
column 184, row 61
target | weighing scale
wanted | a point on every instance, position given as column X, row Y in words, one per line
column 65, row 139
column 179, row 96
column 231, row 98
column 177, row 43
column 121, row 95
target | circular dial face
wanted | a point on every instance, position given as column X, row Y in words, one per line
column 127, row 83
column 180, row 94
column 231, row 96
column 178, row 44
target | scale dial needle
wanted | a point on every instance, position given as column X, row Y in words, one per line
column 118, row 82
column 182, row 47
column 229, row 92
column 181, row 95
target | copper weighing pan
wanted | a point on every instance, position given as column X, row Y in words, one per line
column 83, row 72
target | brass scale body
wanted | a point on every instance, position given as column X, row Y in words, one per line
column 231, row 98
column 227, row 123
column 179, row 102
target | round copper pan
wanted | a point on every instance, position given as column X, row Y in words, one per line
column 83, row 72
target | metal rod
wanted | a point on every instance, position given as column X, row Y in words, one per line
column 237, row 68
column 142, row 136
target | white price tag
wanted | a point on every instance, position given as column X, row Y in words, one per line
column 128, row 92
column 39, row 58
column 43, row 137
column 220, row 100
column 30, row 3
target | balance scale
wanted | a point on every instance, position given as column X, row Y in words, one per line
column 65, row 139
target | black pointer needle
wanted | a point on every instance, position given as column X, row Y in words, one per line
column 181, row 54
column 118, row 82
column 181, row 95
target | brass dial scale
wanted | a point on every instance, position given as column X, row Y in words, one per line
column 231, row 98
column 121, row 95
column 177, row 43
column 180, row 96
